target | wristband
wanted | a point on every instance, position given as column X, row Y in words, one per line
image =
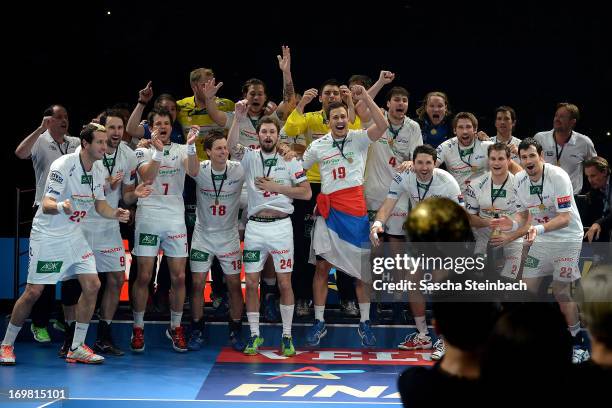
column 142, row 102
column 191, row 149
column 376, row 224
column 158, row 156
column 540, row 229
column 60, row 207
column 514, row 226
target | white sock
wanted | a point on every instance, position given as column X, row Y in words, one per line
column 270, row 281
column 253, row 319
column 319, row 311
column 574, row 329
column 11, row 334
column 139, row 319
column 364, row 309
column 287, row 318
column 80, row 331
column 175, row 319
column 421, row 325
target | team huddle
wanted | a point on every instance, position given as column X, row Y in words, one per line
column 355, row 169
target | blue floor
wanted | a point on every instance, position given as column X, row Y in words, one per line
column 218, row 376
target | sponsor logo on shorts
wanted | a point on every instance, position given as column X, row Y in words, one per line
column 280, row 251
column 56, row 176
column 198, row 256
column 531, row 262
column 147, row 239
column 250, row 256
column 49, row 266
column 564, row 202
column 229, row 254
column 111, row 250
column 87, row 255
column 177, row 236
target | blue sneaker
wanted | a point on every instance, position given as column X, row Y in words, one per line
column 220, row 305
column 316, row 333
column 236, row 342
column 195, row 340
column 580, row 355
column 367, row 335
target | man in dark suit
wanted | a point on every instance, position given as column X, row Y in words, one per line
column 599, row 214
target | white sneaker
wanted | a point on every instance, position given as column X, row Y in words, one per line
column 416, row 341
column 83, row 354
column 580, row 355
column 439, row 349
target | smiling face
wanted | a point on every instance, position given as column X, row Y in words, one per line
column 338, row 122
column 398, row 106
column 498, row 162
column 163, row 124
column 424, row 165
column 465, row 131
column 219, row 153
column 330, row 93
column 436, row 109
column 504, row 123
column 532, row 162
column 114, row 131
column 98, row 145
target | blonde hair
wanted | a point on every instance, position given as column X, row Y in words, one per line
column 198, row 73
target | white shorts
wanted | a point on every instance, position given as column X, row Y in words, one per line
column 170, row 236
column 263, row 238
column 107, row 246
column 557, row 258
column 205, row 246
column 395, row 222
column 59, row 258
column 512, row 259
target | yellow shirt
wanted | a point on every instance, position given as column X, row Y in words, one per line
column 188, row 114
column 313, row 126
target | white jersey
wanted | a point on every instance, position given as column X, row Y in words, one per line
column 44, row 152
column 465, row 164
column 218, row 202
column 385, row 155
column 68, row 180
column 338, row 172
column 514, row 141
column 442, row 185
column 258, row 164
column 123, row 160
column 557, row 197
column 166, row 200
column 578, row 149
column 247, row 128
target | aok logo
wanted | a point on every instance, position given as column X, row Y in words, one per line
column 148, row 239
column 250, row 256
column 49, row 266
column 198, row 256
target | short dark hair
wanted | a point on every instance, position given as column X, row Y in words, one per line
column 465, row 115
column 329, row 82
column 49, row 110
column 500, row 147
column 599, row 163
column 164, row 97
column 425, row 149
column 530, row 141
column 506, row 109
column 268, row 119
column 160, row 112
column 211, row 137
column 111, row 112
column 397, row 90
column 363, row 79
column 334, row 105
column 254, row 82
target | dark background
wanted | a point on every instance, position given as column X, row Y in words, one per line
column 526, row 55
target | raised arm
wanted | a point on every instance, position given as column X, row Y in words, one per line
column 210, row 94
column 134, row 127
column 240, row 110
column 24, row 150
column 288, row 103
column 385, row 77
column 148, row 171
column 191, row 163
column 380, row 122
